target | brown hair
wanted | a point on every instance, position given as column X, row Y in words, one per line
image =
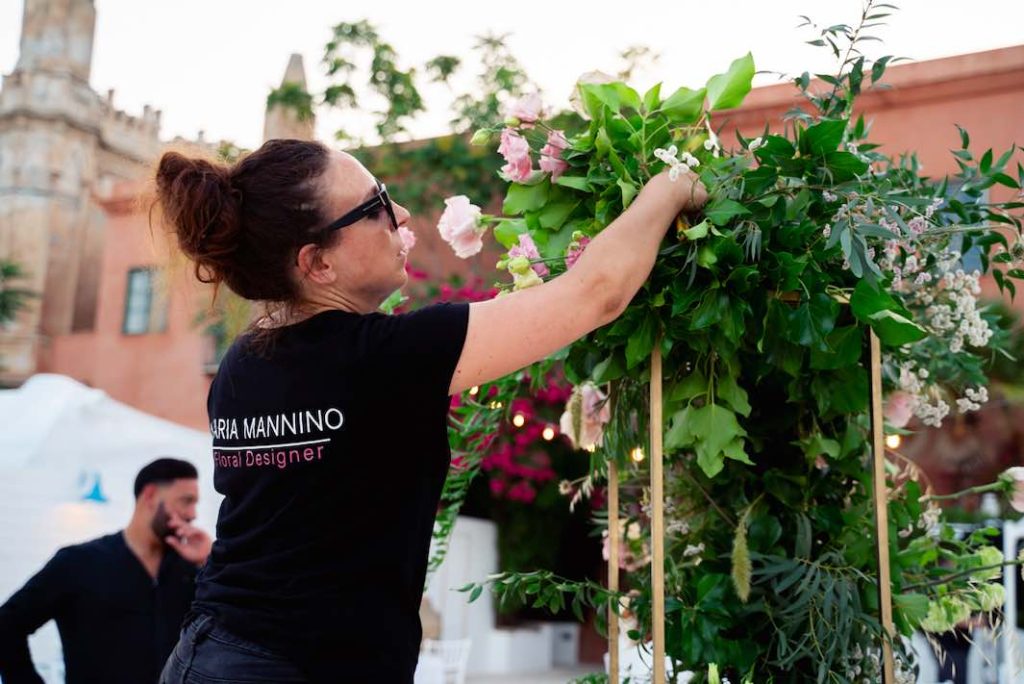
column 243, row 224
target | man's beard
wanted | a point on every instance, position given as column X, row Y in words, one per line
column 159, row 523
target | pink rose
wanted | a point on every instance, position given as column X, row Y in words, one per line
column 899, row 409
column 460, row 227
column 551, row 155
column 526, row 109
column 589, row 410
column 576, row 248
column 516, row 152
column 408, row 238
column 527, row 248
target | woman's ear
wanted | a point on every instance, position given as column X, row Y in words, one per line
column 313, row 266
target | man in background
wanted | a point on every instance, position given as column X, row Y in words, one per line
column 119, row 600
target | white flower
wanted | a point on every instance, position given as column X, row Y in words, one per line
column 693, row 550
column 755, row 144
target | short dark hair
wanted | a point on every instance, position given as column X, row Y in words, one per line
column 164, row 471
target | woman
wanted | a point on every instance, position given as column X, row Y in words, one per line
column 329, row 419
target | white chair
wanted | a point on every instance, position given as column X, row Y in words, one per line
column 454, row 656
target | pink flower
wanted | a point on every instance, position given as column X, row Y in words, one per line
column 551, row 155
column 526, row 109
column 899, row 409
column 408, row 238
column 585, row 416
column 460, row 226
column 527, row 248
column 516, row 152
column 576, row 248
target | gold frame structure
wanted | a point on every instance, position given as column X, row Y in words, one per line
column 880, row 493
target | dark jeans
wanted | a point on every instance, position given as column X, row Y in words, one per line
column 208, row 654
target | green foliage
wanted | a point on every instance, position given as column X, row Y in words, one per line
column 762, row 307
column 12, row 298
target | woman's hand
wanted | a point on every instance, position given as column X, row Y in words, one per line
column 686, row 192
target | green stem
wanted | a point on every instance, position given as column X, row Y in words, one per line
column 978, row 489
column 957, row 575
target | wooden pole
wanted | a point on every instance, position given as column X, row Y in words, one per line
column 657, row 519
column 614, row 539
column 881, row 510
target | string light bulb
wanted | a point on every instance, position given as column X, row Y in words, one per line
column 519, row 420
column 495, row 405
column 548, row 434
column 637, row 454
column 474, row 390
column 893, row 441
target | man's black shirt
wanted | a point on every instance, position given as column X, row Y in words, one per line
column 117, row 623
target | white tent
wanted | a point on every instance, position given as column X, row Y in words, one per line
column 68, row 458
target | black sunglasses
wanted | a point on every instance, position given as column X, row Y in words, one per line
column 370, row 207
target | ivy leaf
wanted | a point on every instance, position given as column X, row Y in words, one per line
column 575, row 182
column 810, row 322
column 641, row 342
column 823, row 137
column 843, row 348
column 652, row 98
column 894, row 329
column 693, row 385
column 721, row 211
column 684, row 106
column 522, row 198
column 726, row 91
column 892, row 323
column 734, row 395
column 507, row 232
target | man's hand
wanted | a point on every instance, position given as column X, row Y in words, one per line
column 191, row 543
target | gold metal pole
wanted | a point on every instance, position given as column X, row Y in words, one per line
column 658, row 519
column 614, row 539
column 881, row 510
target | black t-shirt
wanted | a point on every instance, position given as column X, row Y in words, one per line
column 331, row 449
column 117, row 624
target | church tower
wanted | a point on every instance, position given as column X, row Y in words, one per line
column 60, row 145
column 285, row 122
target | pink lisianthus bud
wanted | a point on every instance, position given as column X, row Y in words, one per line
column 551, row 155
column 899, row 409
column 576, row 247
column 522, row 281
column 1013, row 478
column 526, row 110
column 528, row 249
column 460, row 226
column 408, row 238
column 516, row 152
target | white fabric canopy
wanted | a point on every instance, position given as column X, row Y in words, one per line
column 68, row 459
